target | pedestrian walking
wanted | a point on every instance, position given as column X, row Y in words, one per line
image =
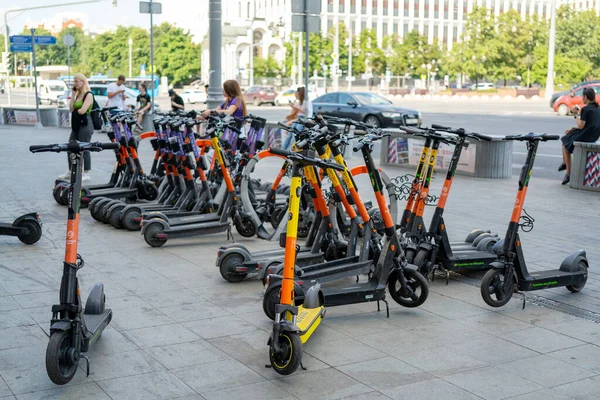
column 82, row 128
column 116, row 95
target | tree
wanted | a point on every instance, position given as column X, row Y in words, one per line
column 475, row 47
column 175, row 56
column 368, row 56
column 266, row 67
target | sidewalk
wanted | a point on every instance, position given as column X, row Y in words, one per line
column 180, row 331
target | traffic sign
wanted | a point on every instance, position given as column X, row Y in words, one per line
column 299, row 6
column 22, row 39
column 68, row 40
column 147, row 7
column 21, row 47
column 45, row 40
column 298, row 23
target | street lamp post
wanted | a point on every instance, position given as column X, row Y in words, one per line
column 13, row 10
column 551, row 45
column 130, row 55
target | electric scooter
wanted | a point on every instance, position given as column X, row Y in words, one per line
column 406, row 285
column 28, row 228
column 74, row 328
column 293, row 325
column 432, row 247
column 509, row 272
column 157, row 231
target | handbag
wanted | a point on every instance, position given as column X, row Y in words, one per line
column 95, row 114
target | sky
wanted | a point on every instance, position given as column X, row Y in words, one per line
column 102, row 16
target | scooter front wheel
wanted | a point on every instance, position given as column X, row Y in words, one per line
column 494, row 290
column 414, row 294
column 271, row 298
column 289, row 357
column 60, row 364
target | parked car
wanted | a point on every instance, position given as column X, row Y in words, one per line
column 50, row 90
column 101, row 95
column 284, row 98
column 64, row 99
column 566, row 102
column 259, row 95
column 483, row 86
column 368, row 107
column 191, row 96
column 556, row 95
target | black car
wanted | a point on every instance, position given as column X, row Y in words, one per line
column 556, row 95
column 367, row 107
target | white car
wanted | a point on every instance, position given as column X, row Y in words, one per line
column 482, row 86
column 284, row 98
column 101, row 95
column 192, row 96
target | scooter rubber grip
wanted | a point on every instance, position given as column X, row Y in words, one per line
column 283, row 125
column 39, row 147
column 441, row 127
column 482, row 137
column 279, row 152
column 551, row 137
column 108, row 146
column 301, row 144
column 333, row 165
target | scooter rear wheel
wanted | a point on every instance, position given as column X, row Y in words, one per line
column 128, row 219
column 576, row 288
column 150, row 235
column 290, row 355
column 35, row 231
column 493, row 290
column 418, row 284
column 271, row 298
column 59, row 364
column 227, row 264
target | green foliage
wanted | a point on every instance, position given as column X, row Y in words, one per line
column 175, row 56
column 266, row 67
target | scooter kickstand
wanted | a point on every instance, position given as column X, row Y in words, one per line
column 87, row 361
column 447, row 277
column 302, row 366
column 522, row 294
column 230, row 234
column 387, row 307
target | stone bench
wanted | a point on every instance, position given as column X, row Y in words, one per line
column 481, row 159
column 26, row 115
column 585, row 166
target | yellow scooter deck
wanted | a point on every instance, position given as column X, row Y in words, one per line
column 308, row 320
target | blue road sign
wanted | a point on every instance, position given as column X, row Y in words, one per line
column 21, row 48
column 23, row 39
column 45, row 40
column 20, row 39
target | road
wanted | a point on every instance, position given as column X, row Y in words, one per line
column 498, row 117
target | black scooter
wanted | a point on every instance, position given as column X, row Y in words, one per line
column 74, row 328
column 28, row 228
column 509, row 272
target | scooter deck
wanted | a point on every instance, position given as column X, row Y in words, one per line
column 308, row 320
column 204, row 228
column 193, row 219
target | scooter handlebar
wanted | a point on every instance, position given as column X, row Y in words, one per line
column 441, row 127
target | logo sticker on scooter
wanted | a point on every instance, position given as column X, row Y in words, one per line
column 70, row 235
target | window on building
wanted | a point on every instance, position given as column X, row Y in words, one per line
column 385, row 7
column 426, row 10
column 426, row 29
column 329, row 24
column 445, row 38
column 435, row 31
column 363, row 7
column 406, row 8
column 330, row 6
column 396, row 6
column 384, row 30
column 455, row 34
column 416, row 8
column 519, row 6
column 342, row 7
column 396, row 28
column 353, row 6
column 405, row 29
column 374, row 7
column 363, row 26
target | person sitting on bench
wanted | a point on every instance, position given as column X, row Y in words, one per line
column 587, row 120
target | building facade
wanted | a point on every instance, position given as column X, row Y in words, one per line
column 263, row 26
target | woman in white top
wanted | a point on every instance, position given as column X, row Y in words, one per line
column 302, row 108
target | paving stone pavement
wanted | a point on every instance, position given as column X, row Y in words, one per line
column 181, row 332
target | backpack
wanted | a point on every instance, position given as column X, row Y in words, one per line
column 95, row 114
